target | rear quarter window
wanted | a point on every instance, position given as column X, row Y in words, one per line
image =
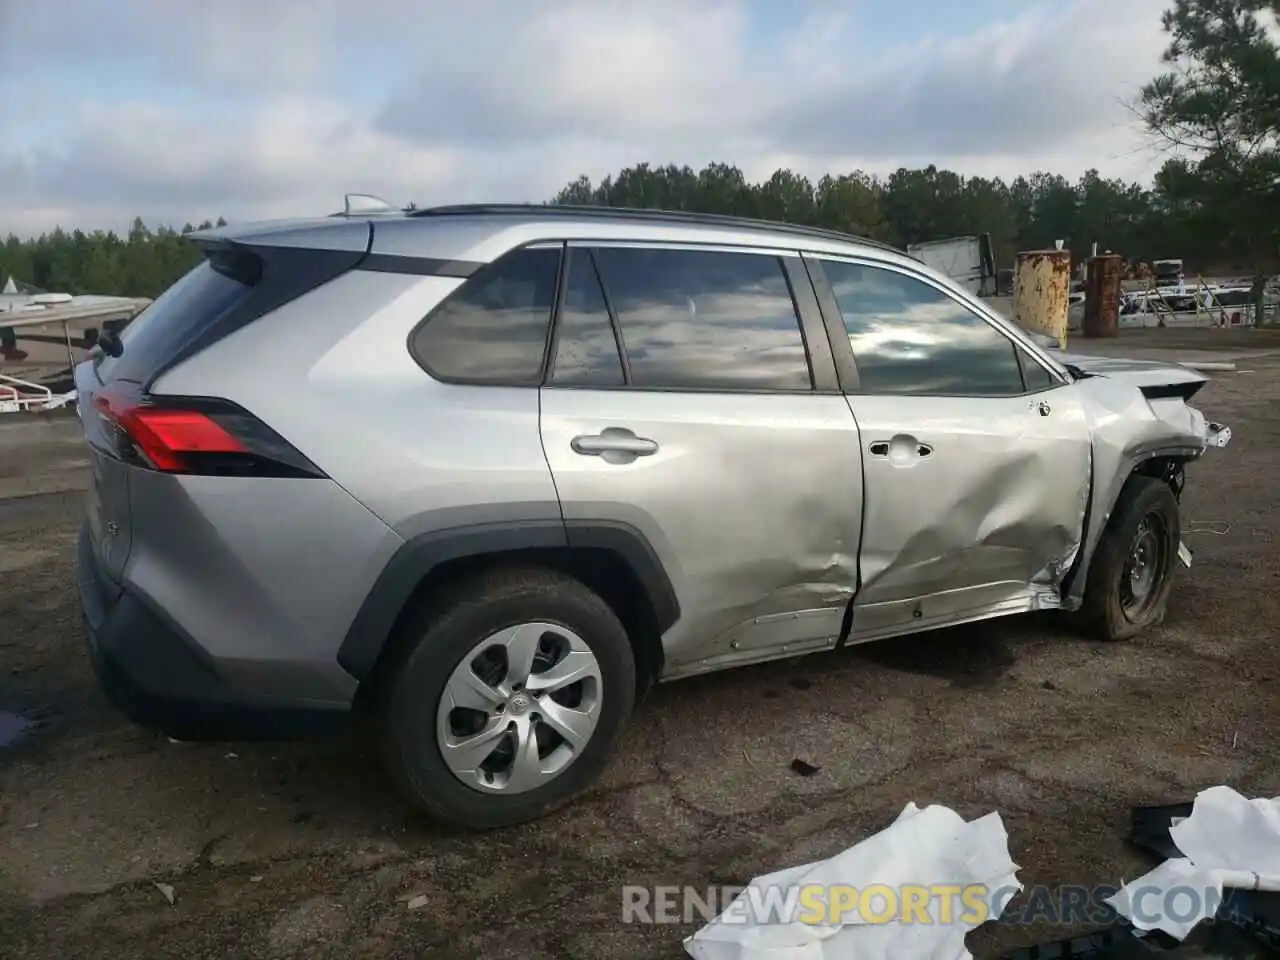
column 493, row 329
column 179, row 314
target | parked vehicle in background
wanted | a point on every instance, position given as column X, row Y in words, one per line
column 485, row 473
column 1167, row 274
column 968, row 261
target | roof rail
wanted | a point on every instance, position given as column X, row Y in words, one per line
column 646, row 214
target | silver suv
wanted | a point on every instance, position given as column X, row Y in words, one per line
column 486, row 473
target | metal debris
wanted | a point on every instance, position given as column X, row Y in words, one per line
column 1219, row 528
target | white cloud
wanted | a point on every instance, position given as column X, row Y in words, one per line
column 255, row 109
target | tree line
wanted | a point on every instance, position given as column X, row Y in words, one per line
column 1029, row 212
column 142, row 263
column 908, row 206
column 1215, row 203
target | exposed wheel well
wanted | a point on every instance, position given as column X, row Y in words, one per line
column 1169, row 469
column 600, row 570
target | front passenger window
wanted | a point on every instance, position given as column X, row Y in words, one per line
column 910, row 338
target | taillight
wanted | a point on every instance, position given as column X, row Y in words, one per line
column 197, row 435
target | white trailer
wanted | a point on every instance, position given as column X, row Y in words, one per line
column 966, row 260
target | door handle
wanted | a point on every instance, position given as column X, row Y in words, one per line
column 901, row 450
column 614, row 444
column 1041, row 407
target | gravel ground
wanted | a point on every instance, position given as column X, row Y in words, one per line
column 279, row 851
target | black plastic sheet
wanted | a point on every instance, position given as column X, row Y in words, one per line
column 1247, row 925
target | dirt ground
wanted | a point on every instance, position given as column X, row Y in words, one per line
column 278, row 851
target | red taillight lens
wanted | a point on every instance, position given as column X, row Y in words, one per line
column 165, row 437
column 198, row 436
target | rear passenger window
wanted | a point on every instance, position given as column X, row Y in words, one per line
column 694, row 319
column 493, row 329
column 1035, row 376
column 910, row 338
column 586, row 349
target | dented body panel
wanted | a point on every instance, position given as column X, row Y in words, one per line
column 1137, row 415
column 989, row 518
column 753, row 504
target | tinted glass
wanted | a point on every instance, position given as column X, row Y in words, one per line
column 705, row 320
column 1034, row 375
column 493, row 329
column 586, row 350
column 177, row 315
column 911, row 338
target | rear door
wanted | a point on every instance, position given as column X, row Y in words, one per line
column 183, row 311
column 976, row 455
column 681, row 401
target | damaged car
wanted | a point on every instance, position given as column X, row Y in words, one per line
column 481, row 475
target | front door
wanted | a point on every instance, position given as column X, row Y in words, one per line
column 705, row 434
column 976, row 458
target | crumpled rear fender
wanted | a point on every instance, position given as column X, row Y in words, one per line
column 1129, row 429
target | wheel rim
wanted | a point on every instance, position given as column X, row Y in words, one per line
column 519, row 708
column 1144, row 567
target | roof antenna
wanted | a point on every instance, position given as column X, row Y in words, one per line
column 363, row 204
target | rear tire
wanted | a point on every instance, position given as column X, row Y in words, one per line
column 1131, row 574
column 460, row 692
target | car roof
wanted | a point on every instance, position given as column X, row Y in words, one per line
column 482, row 231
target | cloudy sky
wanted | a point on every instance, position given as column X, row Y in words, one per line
column 178, row 110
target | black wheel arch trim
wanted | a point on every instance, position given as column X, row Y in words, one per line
column 636, row 550
column 417, row 557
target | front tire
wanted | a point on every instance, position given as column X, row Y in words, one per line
column 511, row 700
column 1127, row 589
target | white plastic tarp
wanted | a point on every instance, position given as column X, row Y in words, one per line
column 933, row 848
